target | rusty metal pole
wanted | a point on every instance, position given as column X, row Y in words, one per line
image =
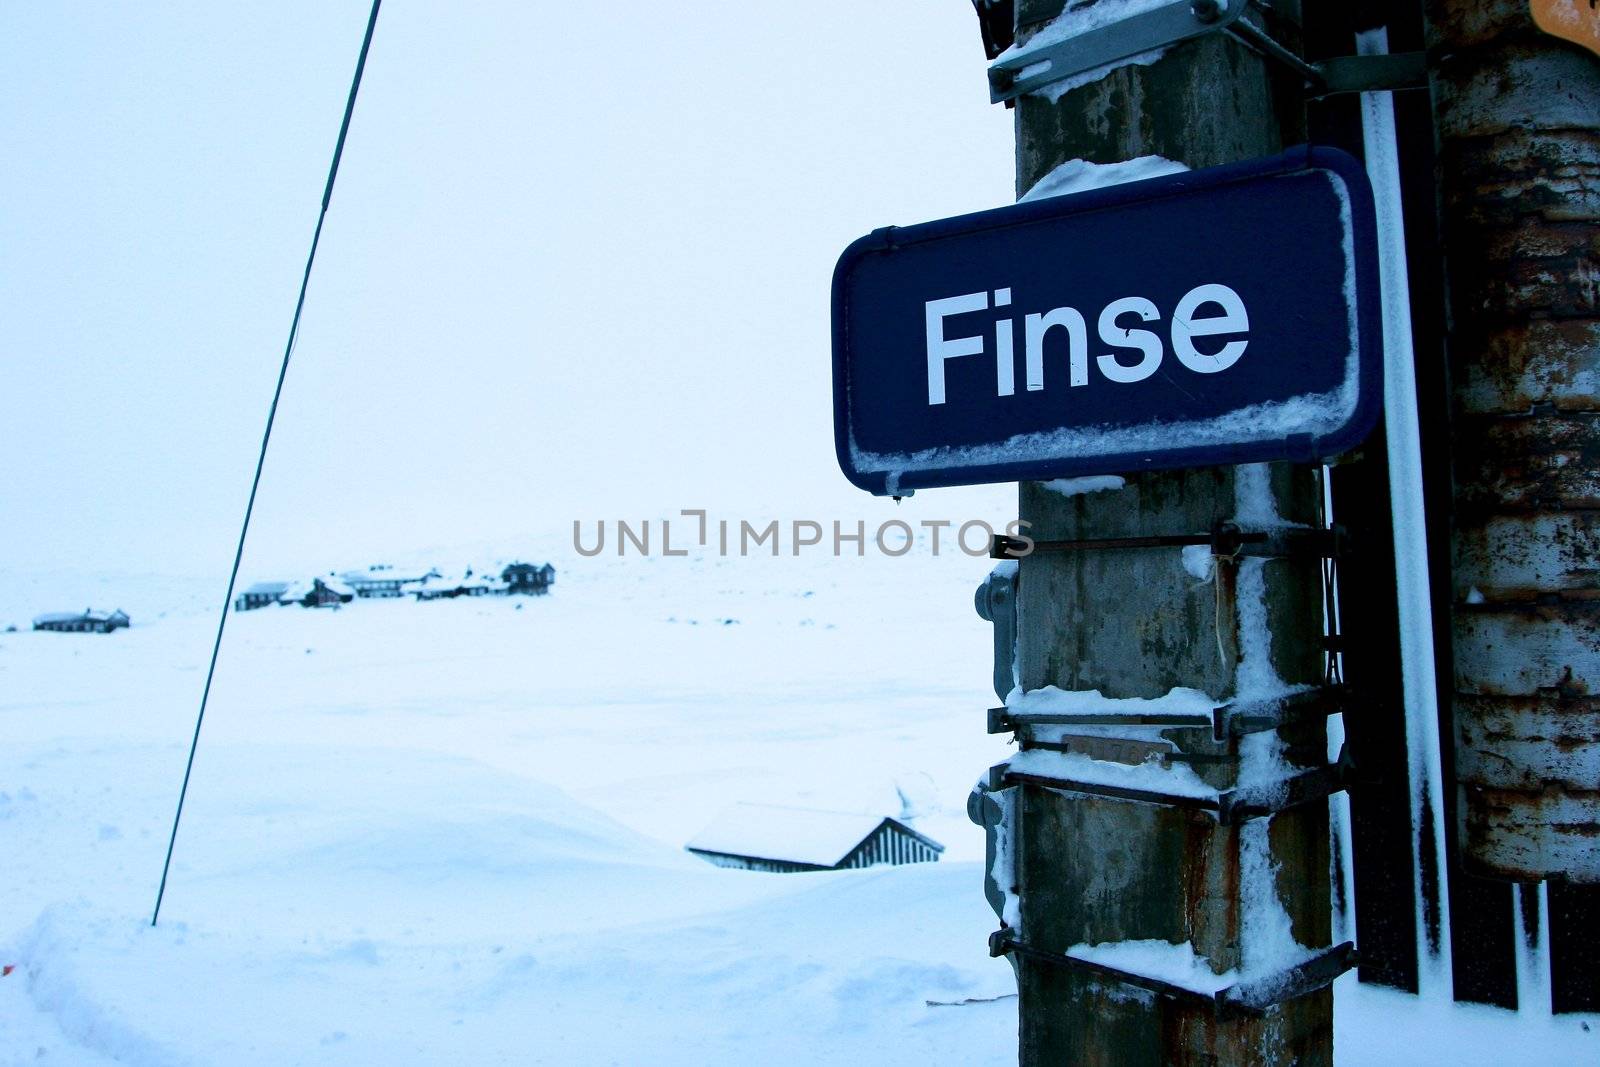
column 1518, row 121
column 1092, row 870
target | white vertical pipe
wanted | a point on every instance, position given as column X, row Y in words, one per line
column 1410, row 529
column 1533, row 957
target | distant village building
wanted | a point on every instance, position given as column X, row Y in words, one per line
column 318, row 593
column 384, row 581
column 482, row 585
column 83, row 622
column 763, row 837
column 435, row 587
column 530, row 578
column 260, row 595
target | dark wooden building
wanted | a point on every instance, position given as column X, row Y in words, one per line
column 318, row 593
column 764, row 837
column 86, row 621
column 260, row 595
column 533, row 579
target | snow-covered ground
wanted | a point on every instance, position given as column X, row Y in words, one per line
column 451, row 832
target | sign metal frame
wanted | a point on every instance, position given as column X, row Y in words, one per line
column 1365, row 316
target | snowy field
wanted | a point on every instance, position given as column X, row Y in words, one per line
column 451, row 833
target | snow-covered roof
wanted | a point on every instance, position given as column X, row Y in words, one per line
column 335, row 585
column 384, row 574
column 794, row 835
column 60, row 616
column 434, row 581
column 87, row 615
column 268, row 588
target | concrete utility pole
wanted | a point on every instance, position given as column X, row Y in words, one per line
column 1518, row 119
column 1134, row 622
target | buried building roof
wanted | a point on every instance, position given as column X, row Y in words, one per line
column 88, row 616
column 804, row 836
column 386, row 574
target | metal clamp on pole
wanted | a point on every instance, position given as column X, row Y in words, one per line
column 1368, row 74
column 1226, row 539
column 1251, row 996
column 1229, row 807
column 996, row 602
column 1258, row 716
column 1027, row 68
column 1021, row 70
column 1002, row 720
column 1235, row 719
column 1241, row 805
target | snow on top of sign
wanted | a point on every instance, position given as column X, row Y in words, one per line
column 1080, row 175
column 1315, row 413
column 795, row 835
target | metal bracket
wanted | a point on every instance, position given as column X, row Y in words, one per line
column 1249, row 997
column 1225, row 539
column 1230, row 807
column 1001, row 720
column 1027, row 68
column 996, row 602
column 1258, row 716
column 1241, row 805
column 1234, row 719
column 1125, row 750
column 1368, row 74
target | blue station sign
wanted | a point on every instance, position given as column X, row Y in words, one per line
column 1227, row 315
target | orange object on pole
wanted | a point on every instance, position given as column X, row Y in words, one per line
column 1577, row 21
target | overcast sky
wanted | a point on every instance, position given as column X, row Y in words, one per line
column 577, row 262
